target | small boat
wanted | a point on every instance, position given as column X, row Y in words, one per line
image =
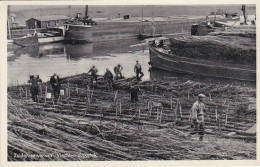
column 161, row 58
column 50, row 35
column 26, row 41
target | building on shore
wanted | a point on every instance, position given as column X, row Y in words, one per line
column 46, row 21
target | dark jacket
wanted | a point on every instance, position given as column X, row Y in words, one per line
column 55, row 81
column 108, row 75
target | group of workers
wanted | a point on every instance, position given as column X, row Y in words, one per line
column 197, row 110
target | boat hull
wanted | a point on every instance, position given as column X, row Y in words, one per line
column 78, row 34
column 166, row 61
column 26, row 41
column 45, row 40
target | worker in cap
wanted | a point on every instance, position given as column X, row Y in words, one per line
column 93, row 72
column 138, row 70
column 108, row 76
column 197, row 117
column 118, row 71
column 56, row 85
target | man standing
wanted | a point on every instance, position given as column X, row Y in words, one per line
column 118, row 69
column 138, row 70
column 55, row 83
column 197, row 117
column 109, row 77
column 34, row 88
column 93, row 72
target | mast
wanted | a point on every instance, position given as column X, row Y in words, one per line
column 69, row 10
column 142, row 28
column 86, row 12
column 244, row 12
column 153, row 28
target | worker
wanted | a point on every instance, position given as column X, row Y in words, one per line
column 138, row 70
column 134, row 89
column 93, row 72
column 118, row 71
column 55, row 83
column 38, row 81
column 33, row 88
column 109, row 77
column 197, row 117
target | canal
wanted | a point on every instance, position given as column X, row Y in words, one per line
column 71, row 59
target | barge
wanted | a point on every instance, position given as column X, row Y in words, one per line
column 165, row 59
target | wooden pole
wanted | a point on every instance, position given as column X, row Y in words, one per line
column 175, row 111
column 180, row 109
column 46, row 89
column 161, row 114
column 77, row 90
column 20, row 92
column 216, row 113
column 227, row 116
column 120, row 107
column 139, row 113
column 157, row 117
column 171, row 102
column 26, row 92
column 41, row 91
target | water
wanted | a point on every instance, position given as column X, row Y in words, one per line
column 68, row 59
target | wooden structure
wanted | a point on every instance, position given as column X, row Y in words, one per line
column 46, row 21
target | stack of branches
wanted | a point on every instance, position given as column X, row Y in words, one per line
column 104, row 125
column 225, row 47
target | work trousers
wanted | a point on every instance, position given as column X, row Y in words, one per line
column 197, row 127
column 138, row 78
column 35, row 92
column 56, row 91
column 134, row 97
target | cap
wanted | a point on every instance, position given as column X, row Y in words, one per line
column 201, row 95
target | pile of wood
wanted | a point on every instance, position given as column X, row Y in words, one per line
column 235, row 46
column 98, row 124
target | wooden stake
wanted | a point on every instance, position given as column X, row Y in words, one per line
column 157, row 113
column 20, row 92
column 175, row 111
column 180, row 109
column 171, row 102
column 115, row 96
column 226, row 121
column 216, row 113
column 41, row 91
column 151, row 108
column 120, row 107
column 139, row 112
column 46, row 88
column 116, row 111
column 38, row 99
column 26, row 92
column 92, row 92
column 210, row 97
column 77, row 90
column 161, row 115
